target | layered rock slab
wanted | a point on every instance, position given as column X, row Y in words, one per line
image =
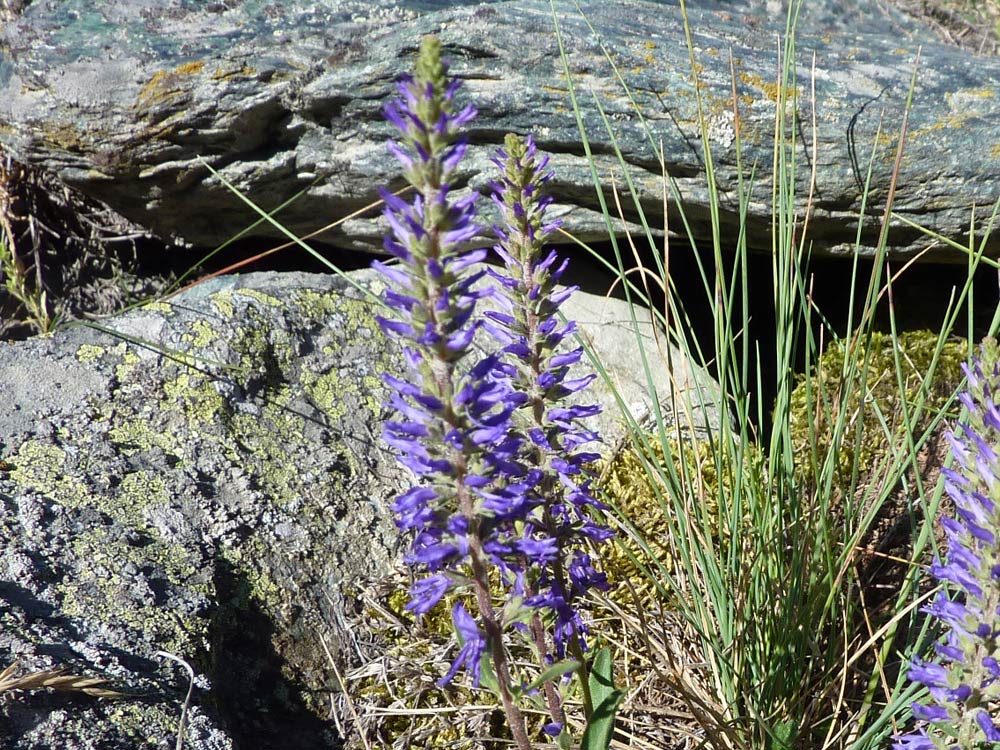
column 132, row 103
column 205, row 477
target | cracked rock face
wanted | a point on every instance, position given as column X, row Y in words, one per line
column 205, row 477
column 131, row 103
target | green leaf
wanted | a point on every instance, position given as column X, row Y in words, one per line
column 605, row 697
column 556, row 670
column 784, row 735
column 486, row 677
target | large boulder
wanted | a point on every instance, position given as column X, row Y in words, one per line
column 205, row 477
column 131, row 103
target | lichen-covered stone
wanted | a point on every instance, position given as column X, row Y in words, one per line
column 128, row 103
column 177, row 488
column 205, row 476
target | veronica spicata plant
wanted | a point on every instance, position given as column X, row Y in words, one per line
column 502, row 503
column 964, row 683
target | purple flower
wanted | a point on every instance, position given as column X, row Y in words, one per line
column 964, row 678
column 919, row 741
column 552, row 729
column 499, row 452
column 528, row 328
column 451, row 424
column 473, row 648
column 427, row 593
column 989, row 728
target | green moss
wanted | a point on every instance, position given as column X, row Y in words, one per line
column 863, row 402
column 636, row 481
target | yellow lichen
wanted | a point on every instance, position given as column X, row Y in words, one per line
column 224, row 74
column 158, row 307
column 771, row 90
column 201, row 334
column 98, row 587
column 165, row 85
column 223, row 304
column 42, row 467
column 89, row 353
column 261, row 297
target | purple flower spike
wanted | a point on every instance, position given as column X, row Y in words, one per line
column 530, row 332
column 965, row 677
column 496, row 447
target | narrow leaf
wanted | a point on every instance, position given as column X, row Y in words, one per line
column 556, row 670
column 605, row 697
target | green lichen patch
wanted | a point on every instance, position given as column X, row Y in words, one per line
column 161, row 308
column 201, row 334
column 319, row 305
column 107, row 582
column 222, row 302
column 142, row 488
column 41, row 467
column 259, row 296
column 89, row 353
column 129, row 361
column 133, row 435
column 191, row 395
column 138, row 722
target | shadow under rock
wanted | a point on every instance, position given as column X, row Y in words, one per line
column 260, row 708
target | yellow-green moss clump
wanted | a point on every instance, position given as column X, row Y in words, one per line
column 871, row 400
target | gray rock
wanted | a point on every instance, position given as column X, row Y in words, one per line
column 131, row 102
column 205, row 477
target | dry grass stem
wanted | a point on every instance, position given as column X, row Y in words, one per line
column 55, row 679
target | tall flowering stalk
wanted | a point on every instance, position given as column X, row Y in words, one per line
column 497, row 504
column 557, row 526
column 964, row 683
